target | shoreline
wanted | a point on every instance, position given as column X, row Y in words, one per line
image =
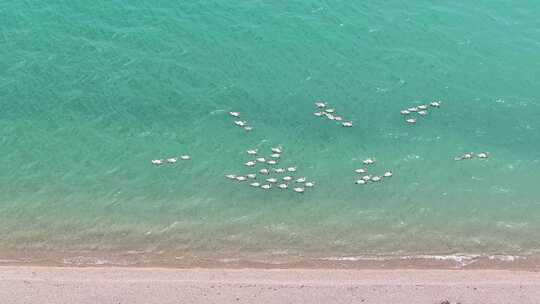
column 165, row 285
column 366, row 262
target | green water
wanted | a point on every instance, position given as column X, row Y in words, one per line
column 90, row 92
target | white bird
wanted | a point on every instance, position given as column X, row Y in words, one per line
column 185, row 157
column 240, row 123
column 422, row 107
column 283, row 186
column 331, row 117
column 301, row 180
column 248, row 128
column 309, row 184
column 338, row 118
column 435, row 104
column 360, row 182
column 330, row 110
column 172, row 160
column 320, row 104
column 347, row 124
column 157, row 162
column 360, row 171
column 388, row 174
column 422, row 113
column 279, row 170
column 366, row 178
column 230, row 176
column 464, row 156
column 291, row 169
column 287, row 178
column 275, row 155
column 271, row 180
column 255, row 185
column 234, row 114
column 483, row 155
column 250, row 164
column 261, row 159
column 252, row 151
column 410, row 121
column 299, row 190
column 277, row 150
column 266, row 187
column 318, row 114
column 368, row 161
column 405, row 112
column 241, row 178
column 413, row 109
column 251, row 175
column 271, row 162
column 264, row 171
column 376, row 179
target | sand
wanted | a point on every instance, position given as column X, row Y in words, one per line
column 151, row 285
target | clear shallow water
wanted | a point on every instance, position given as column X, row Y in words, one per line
column 90, row 93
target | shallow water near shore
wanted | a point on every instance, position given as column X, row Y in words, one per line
column 90, row 93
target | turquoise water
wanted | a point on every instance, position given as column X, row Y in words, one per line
column 91, row 92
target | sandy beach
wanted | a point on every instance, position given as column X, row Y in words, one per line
column 20, row 284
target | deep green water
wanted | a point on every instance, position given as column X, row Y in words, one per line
column 91, row 91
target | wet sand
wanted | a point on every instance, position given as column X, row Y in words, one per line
column 20, row 284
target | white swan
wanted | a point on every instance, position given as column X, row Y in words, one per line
column 251, row 176
column 264, row 171
column 234, row 114
column 376, row 179
column 185, row 157
column 261, row 159
column 291, row 169
column 287, row 178
column 279, row 170
column 410, row 121
column 266, row 187
column 277, row 150
column 301, row 180
column 157, row 162
column 320, row 104
column 360, row 171
column 271, row 162
column 435, row 104
column 405, row 112
column 271, row 180
column 230, row 176
column 252, row 151
column 275, row 155
column 172, row 160
column 309, row 184
column 360, row 182
column 248, row 128
column 240, row 123
column 422, row 113
column 483, row 155
column 255, row 185
column 299, row 190
column 250, row 164
column 368, row 161
column 241, row 178
column 388, row 174
column 283, row 186
column 422, row 107
column 347, row 124
column 318, row 114
column 366, row 178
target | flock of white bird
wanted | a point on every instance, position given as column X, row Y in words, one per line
column 171, row 160
column 366, row 178
column 330, row 113
column 268, row 175
column 420, row 111
column 241, row 123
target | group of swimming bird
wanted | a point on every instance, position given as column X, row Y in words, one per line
column 268, row 176
column 367, row 178
column 421, row 111
column 241, row 123
column 171, row 160
column 330, row 114
column 471, row 155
